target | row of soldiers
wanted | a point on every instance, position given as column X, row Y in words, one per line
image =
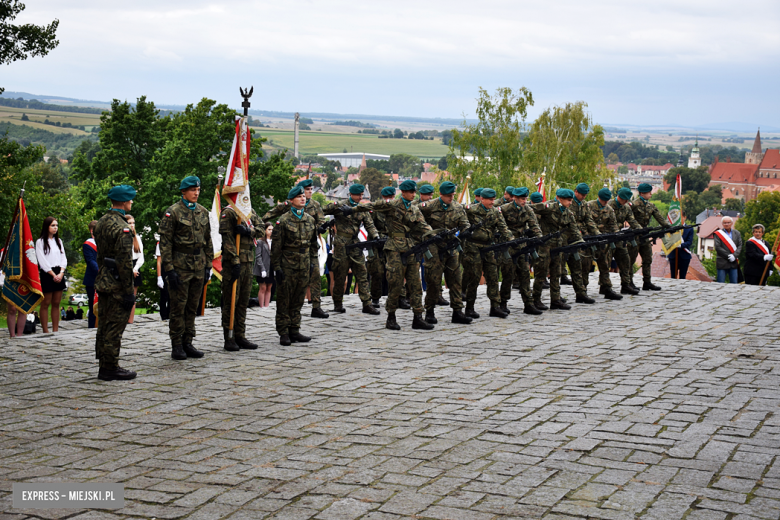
column 402, row 224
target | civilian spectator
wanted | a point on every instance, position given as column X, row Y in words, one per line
column 262, row 269
column 138, row 261
column 70, row 315
column 51, row 264
column 79, row 313
column 728, row 246
column 62, row 312
column 681, row 264
column 16, row 320
column 89, row 250
column 757, row 255
column 162, row 283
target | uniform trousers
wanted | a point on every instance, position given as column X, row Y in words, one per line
column 111, row 326
column 243, row 288
column 184, row 304
column 290, row 294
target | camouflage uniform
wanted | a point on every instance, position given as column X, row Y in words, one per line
column 474, row 263
column 521, row 221
column 376, row 264
column 580, row 270
column 114, row 240
column 442, row 216
column 245, row 257
column 293, row 250
column 314, row 209
column 604, row 218
column 185, row 246
column 402, row 224
column 623, row 214
column 553, row 217
column 644, row 210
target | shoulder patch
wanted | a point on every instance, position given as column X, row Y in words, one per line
column 167, row 214
column 499, row 209
column 277, row 222
column 126, row 230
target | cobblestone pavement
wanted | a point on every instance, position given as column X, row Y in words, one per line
column 662, row 406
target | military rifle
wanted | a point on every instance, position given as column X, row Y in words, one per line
column 504, row 246
column 327, row 225
column 575, row 248
column 532, row 245
column 421, row 250
column 655, row 235
column 378, row 243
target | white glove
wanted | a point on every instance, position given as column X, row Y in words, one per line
column 211, row 272
column 160, row 282
column 767, row 258
column 731, row 258
column 264, row 274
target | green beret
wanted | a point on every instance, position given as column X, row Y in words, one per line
column 297, row 190
column 446, row 188
column 488, row 193
column 388, row 191
column 564, row 193
column 536, row 197
column 305, row 183
column 478, row 192
column 408, row 186
column 605, row 194
column 625, row 193
column 357, row 189
column 583, row 188
column 644, row 188
column 189, row 182
column 426, row 188
column 520, row 192
column 121, row 193
column 509, row 189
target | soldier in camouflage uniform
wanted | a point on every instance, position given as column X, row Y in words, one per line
column 114, row 283
column 507, row 198
column 542, row 261
column 644, row 210
column 474, row 262
column 521, row 221
column 425, row 195
column 555, row 216
column 444, row 213
column 186, row 251
column 580, row 269
column 624, row 214
column 237, row 266
column 346, row 233
column 604, row 218
column 404, row 220
column 314, row 209
column 505, row 265
column 294, row 247
column 376, row 263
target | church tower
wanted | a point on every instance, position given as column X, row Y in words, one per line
column 755, row 155
column 694, row 161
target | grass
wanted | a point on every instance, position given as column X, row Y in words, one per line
column 313, row 142
column 37, row 117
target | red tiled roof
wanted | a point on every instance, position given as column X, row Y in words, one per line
column 771, row 160
column 733, row 172
column 648, row 167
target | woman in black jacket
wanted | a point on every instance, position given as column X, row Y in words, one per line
column 757, row 255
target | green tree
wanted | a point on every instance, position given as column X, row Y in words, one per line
column 404, row 164
column 693, row 179
column 662, row 196
column 495, row 142
column 764, row 209
column 735, row 204
column 375, row 180
column 398, row 134
column 19, row 42
column 613, row 158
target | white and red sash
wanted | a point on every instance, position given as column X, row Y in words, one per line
column 91, row 243
column 726, row 240
column 759, row 244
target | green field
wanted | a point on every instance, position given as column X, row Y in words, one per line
column 325, row 142
column 37, row 117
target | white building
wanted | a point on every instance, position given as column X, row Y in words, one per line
column 349, row 160
column 694, row 161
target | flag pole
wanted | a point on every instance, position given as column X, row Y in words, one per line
column 13, row 221
column 208, row 282
column 766, row 267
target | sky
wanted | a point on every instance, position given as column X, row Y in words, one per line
column 664, row 62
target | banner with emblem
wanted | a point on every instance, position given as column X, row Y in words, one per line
column 236, row 189
column 216, row 237
column 22, row 287
column 672, row 241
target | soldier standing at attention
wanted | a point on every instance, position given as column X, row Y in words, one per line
column 521, row 221
column 506, row 198
column 624, row 214
column 294, row 248
column 314, row 209
column 237, row 266
column 580, row 270
column 644, row 210
column 474, row 263
column 114, row 283
column 376, row 265
column 346, row 232
column 555, row 216
column 505, row 265
column 186, row 252
column 604, row 218
column 444, row 213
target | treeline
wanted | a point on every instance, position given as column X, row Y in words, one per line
column 61, row 144
column 35, row 104
column 357, row 124
column 636, row 152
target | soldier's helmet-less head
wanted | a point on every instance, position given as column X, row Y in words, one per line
column 121, row 193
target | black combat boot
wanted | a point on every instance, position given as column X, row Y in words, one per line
column 539, row 305
column 192, row 352
column 565, row 280
column 317, row 312
column 627, row 289
column 442, row 301
column 609, row 294
column 634, row 286
column 649, row 286
column 297, row 337
column 177, row 351
column 505, row 308
column 115, row 374
column 419, row 323
column 603, row 289
column 403, row 303
column 459, row 317
column 369, row 309
column 558, row 304
column 375, row 303
column 230, row 343
column 244, row 343
column 496, row 312
column 531, row 309
column 470, row 312
column 284, row 339
column 391, row 323
column 339, row 307
column 430, row 317
column 584, row 298
column 546, row 284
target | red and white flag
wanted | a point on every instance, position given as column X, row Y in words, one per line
column 216, row 237
column 236, row 188
column 540, row 185
column 726, row 240
column 22, row 287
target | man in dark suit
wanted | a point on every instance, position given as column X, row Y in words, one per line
column 728, row 246
column 89, row 250
column 684, row 250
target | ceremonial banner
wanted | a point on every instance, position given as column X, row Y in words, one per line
column 775, row 251
column 464, row 197
column 236, row 189
column 540, row 185
column 216, row 237
column 672, row 241
column 22, row 287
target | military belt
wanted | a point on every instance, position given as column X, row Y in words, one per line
column 345, row 234
column 399, row 235
column 187, row 250
column 298, row 249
